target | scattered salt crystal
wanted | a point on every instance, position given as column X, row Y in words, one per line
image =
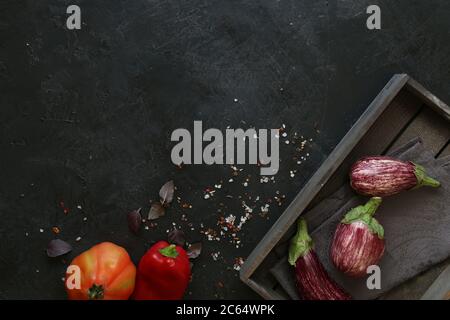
column 79, row 207
column 78, row 239
column 207, row 196
column 238, row 263
column 41, row 230
column 287, row 142
column 215, row 255
column 235, row 100
column 230, row 219
column 284, row 134
column 246, row 207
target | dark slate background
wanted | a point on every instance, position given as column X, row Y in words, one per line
column 86, row 116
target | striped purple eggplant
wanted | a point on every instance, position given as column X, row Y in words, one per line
column 313, row 281
column 382, row 176
column 358, row 240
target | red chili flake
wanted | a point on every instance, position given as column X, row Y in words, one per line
column 56, row 230
column 63, row 206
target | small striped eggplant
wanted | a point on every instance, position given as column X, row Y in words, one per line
column 358, row 241
column 382, row 176
column 313, row 281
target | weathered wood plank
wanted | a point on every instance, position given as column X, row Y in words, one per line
column 264, row 291
column 446, row 151
column 440, row 289
column 413, row 289
column 262, row 273
column 430, row 99
column 432, row 128
column 279, row 289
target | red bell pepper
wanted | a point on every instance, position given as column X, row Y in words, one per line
column 163, row 273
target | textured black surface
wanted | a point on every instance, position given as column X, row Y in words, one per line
column 86, row 116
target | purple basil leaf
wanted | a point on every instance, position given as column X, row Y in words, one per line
column 166, row 192
column 194, row 250
column 58, row 247
column 134, row 220
column 176, row 236
column 156, row 211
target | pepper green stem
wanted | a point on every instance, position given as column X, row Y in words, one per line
column 96, row 292
column 364, row 214
column 423, row 179
column 169, row 251
column 301, row 243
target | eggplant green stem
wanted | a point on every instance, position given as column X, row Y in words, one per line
column 301, row 243
column 364, row 214
column 372, row 205
column 423, row 179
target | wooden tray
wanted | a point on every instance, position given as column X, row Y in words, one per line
column 402, row 111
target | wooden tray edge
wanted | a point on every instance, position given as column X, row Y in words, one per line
column 299, row 203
